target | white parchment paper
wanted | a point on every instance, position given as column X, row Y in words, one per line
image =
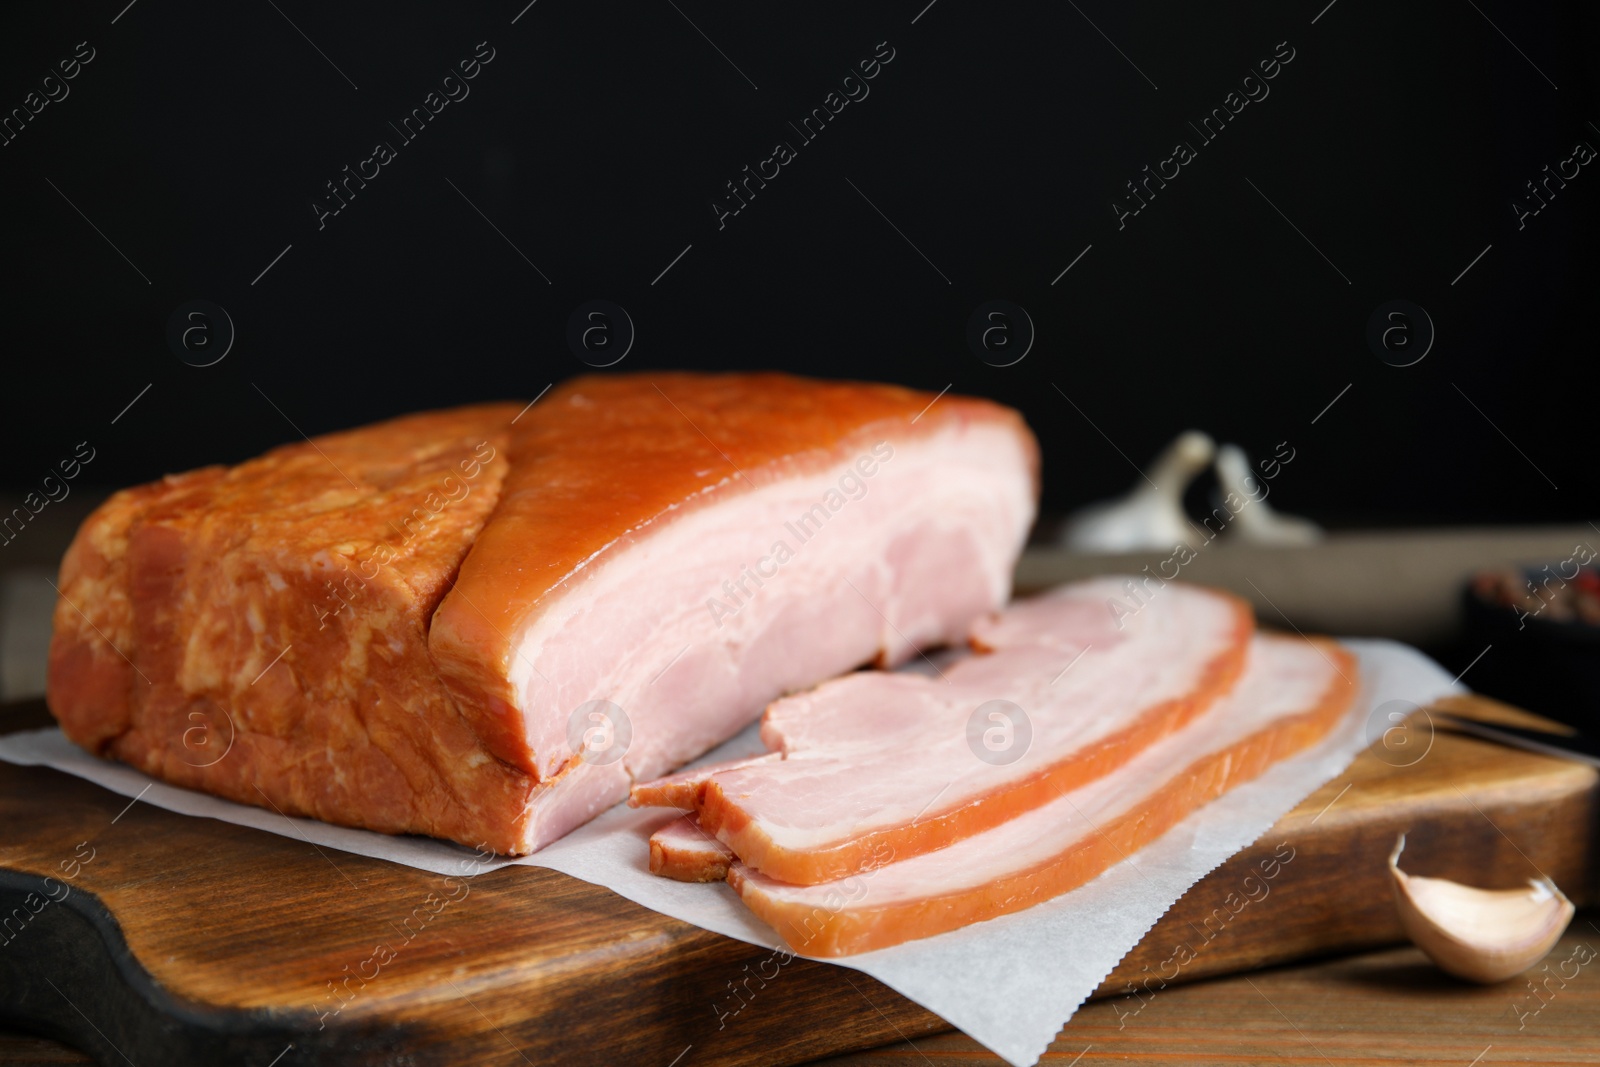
column 1011, row 983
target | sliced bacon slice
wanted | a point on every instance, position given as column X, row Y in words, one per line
column 878, row 765
column 682, row 851
column 1293, row 691
column 682, row 790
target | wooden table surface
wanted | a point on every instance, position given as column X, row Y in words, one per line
column 1386, row 1007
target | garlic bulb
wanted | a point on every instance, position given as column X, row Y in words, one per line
column 1481, row 935
column 1151, row 516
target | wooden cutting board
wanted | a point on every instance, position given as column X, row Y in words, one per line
column 187, row 940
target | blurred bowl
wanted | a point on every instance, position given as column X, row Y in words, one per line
column 1545, row 653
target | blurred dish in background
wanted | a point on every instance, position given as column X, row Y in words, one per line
column 1541, row 629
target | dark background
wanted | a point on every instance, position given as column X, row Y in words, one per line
column 994, row 142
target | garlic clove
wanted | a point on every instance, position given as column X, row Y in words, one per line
column 1481, row 935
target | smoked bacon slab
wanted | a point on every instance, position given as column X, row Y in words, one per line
column 483, row 624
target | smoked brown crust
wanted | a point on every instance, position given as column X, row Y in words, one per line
column 178, row 597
